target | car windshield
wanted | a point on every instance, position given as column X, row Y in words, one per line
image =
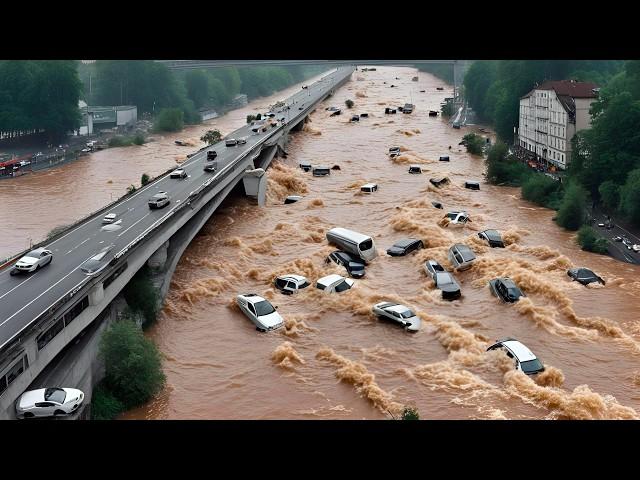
column 264, row 308
column 513, row 293
column 356, row 266
column 407, row 314
column 366, row 245
column 55, row 395
column 531, row 366
column 342, row 286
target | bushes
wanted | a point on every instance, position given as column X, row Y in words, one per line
column 251, row 118
column 572, row 210
column 133, row 367
column 126, row 141
column 211, row 137
column 610, row 194
column 630, row 196
column 474, row 143
column 104, row 406
column 169, row 120
column 142, row 296
column 503, row 169
column 410, row 414
column 590, row 241
column 349, row 103
column 447, row 109
column 144, row 179
column 138, row 139
column 542, row 190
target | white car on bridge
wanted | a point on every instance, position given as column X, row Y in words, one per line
column 179, row 173
column 48, row 402
column 32, row 261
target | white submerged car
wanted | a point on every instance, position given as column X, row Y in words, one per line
column 398, row 313
column 32, row 261
column 334, row 283
column 48, row 402
column 260, row 312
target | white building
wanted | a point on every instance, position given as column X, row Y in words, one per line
column 550, row 115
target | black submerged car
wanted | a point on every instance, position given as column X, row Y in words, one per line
column 405, row 246
column 584, row 276
column 492, row 237
column 447, row 284
column 353, row 264
column 505, row 289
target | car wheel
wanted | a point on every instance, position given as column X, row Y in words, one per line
column 27, row 415
column 59, row 412
column 13, row 273
column 37, row 268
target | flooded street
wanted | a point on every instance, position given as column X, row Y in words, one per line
column 335, row 359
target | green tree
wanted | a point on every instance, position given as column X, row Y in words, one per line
column 503, row 169
column 477, row 81
column 170, row 120
column 590, row 241
column 211, row 137
column 104, row 405
column 542, row 190
column 197, row 84
column 349, row 103
column 133, row 368
column 410, row 414
column 144, row 179
column 138, row 139
column 610, row 194
column 630, row 196
column 572, row 212
column 474, row 143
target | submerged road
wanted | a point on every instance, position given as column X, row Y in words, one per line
column 23, row 298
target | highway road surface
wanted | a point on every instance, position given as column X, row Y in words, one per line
column 23, row 298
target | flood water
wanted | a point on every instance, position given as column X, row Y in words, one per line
column 334, row 359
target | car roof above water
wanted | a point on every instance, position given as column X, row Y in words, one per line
column 519, row 350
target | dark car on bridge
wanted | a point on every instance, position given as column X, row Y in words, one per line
column 505, row 289
column 404, row 247
column 211, row 154
column 584, row 276
column 159, row 200
column 98, row 262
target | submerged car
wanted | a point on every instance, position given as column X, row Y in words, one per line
column 292, row 199
column 291, row 283
column 97, row 263
column 48, row 402
column 505, row 289
column 447, row 284
column 439, row 181
column 353, row 264
column 415, row 169
column 32, row 261
column 492, row 237
column 525, row 360
column 432, row 267
column 472, row 185
column 369, row 188
column 179, row 173
column 461, row 256
column 334, row 284
column 458, row 217
column 584, row 276
column 398, row 313
column 259, row 311
column 404, row 247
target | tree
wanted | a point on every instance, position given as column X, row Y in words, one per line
column 503, row 169
column 211, row 137
column 590, row 241
column 410, row 414
column 542, row 190
column 349, row 103
column 144, row 179
column 250, row 118
column 133, row 369
column 630, row 196
column 474, row 143
column 571, row 214
column 197, row 84
column 170, row 120
column 131, row 188
column 610, row 194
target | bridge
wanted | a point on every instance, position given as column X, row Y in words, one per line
column 44, row 312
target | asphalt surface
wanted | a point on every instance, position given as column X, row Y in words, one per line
column 618, row 249
column 23, row 298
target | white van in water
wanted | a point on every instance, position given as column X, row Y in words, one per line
column 321, row 171
column 353, row 242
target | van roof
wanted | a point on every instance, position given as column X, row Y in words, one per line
column 350, row 234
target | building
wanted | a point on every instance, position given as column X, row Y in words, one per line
column 106, row 117
column 550, row 115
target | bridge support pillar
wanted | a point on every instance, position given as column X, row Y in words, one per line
column 255, row 185
column 159, row 257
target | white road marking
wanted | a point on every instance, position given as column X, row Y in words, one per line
column 84, row 241
column 72, row 271
column 19, row 285
column 134, row 224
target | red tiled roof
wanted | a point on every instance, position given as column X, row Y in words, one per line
column 567, row 88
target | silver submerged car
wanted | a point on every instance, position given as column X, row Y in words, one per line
column 399, row 314
column 32, row 261
column 48, row 402
column 259, row 311
column 525, row 360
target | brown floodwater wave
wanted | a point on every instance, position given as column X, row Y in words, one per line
column 334, row 358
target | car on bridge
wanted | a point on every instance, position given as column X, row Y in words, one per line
column 32, row 261
column 399, row 314
column 242, row 140
column 259, row 311
column 230, row 142
column 109, row 218
column 97, row 263
column 48, row 402
column 211, row 155
column 179, row 173
column 211, row 166
column 159, row 200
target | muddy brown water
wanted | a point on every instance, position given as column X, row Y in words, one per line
column 334, row 359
